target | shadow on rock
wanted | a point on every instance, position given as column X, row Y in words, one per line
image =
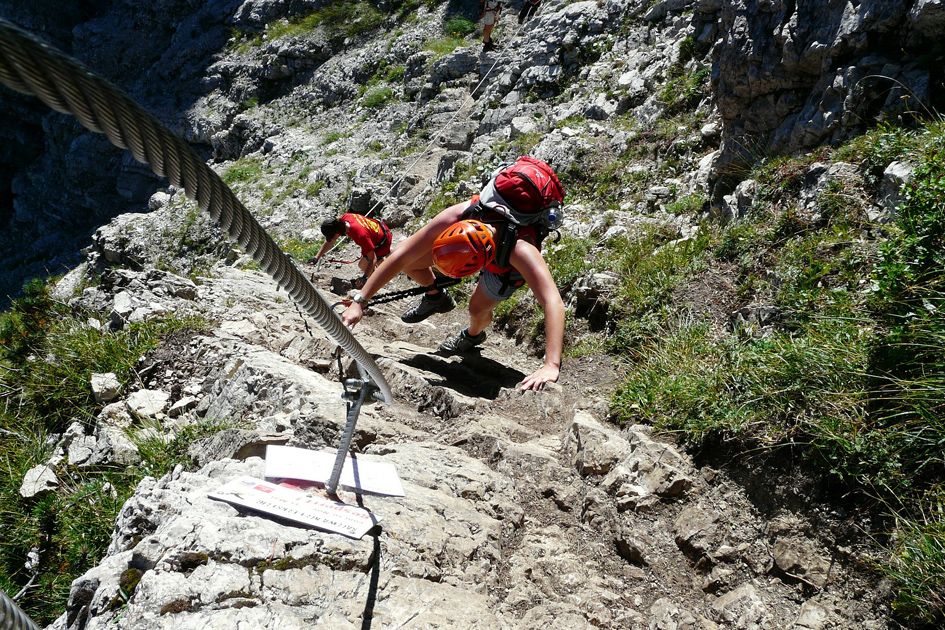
column 474, row 375
column 367, row 617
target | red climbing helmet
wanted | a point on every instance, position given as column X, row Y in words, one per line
column 463, row 248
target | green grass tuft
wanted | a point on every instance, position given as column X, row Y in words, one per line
column 459, row 27
column 47, row 355
column 378, row 97
column 443, row 46
column 243, row 171
column 918, row 566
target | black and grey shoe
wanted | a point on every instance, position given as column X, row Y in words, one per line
column 358, row 283
column 428, row 305
column 462, row 342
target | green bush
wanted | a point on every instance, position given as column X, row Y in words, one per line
column 298, row 249
column 22, row 326
column 567, row 259
column 312, row 189
column 761, row 391
column 877, row 148
column 348, row 18
column 378, row 97
column 444, row 45
column 649, row 269
column 48, row 355
column 161, row 455
column 243, row 171
column 688, row 204
column 457, row 26
column 908, row 367
column 685, row 90
column 332, row 136
column 395, row 74
column 918, row 566
column 915, row 257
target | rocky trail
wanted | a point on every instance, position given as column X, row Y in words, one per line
column 522, row 510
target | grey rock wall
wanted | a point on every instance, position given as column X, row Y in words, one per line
column 59, row 182
column 792, row 75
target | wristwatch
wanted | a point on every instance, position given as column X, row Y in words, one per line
column 358, row 298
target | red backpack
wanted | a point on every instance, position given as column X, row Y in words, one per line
column 530, row 186
column 524, row 195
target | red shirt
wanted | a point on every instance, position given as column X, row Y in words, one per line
column 371, row 235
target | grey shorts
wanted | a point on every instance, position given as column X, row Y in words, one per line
column 491, row 13
column 492, row 285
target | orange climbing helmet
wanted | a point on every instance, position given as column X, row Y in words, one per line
column 463, row 248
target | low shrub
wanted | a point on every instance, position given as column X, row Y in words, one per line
column 378, row 97
column 458, row 26
column 243, row 171
column 48, row 355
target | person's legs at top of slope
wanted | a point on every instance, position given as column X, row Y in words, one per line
column 490, row 17
column 529, row 7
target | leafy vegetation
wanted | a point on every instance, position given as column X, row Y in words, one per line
column 458, row 26
column 521, row 144
column 687, row 204
column 686, row 90
column 443, row 46
column 243, row 171
column 348, row 18
column 299, row 249
column 918, row 567
column 332, row 137
column 853, row 368
column 378, row 97
column 48, row 355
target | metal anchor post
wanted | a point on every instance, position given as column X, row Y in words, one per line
column 355, row 398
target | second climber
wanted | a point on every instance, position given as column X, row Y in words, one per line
column 371, row 235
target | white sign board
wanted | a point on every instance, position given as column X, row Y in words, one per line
column 296, row 505
column 361, row 475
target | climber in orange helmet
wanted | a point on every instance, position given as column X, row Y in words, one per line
column 460, row 246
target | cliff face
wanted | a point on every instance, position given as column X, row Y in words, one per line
column 141, row 48
column 794, row 75
column 521, row 511
column 786, row 76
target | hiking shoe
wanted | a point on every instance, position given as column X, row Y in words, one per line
column 429, row 304
column 462, row 342
column 487, row 46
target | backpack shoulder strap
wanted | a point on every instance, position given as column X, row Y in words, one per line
column 506, row 228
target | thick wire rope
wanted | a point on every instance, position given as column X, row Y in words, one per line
column 12, row 617
column 436, row 137
column 30, row 66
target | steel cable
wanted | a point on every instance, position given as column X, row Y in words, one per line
column 30, row 66
column 11, row 617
